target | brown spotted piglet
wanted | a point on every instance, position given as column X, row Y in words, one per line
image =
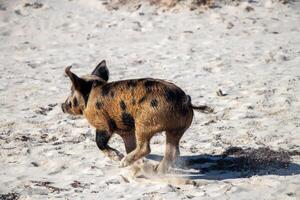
column 135, row 109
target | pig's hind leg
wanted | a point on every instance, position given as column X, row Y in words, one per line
column 142, row 148
column 172, row 150
column 129, row 141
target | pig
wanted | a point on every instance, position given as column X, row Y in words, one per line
column 135, row 109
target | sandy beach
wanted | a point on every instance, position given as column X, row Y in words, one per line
column 243, row 60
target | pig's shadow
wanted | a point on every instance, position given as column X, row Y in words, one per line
column 235, row 162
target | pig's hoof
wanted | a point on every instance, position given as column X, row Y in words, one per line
column 124, row 162
column 114, row 155
column 161, row 169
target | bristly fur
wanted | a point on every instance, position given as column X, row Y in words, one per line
column 134, row 109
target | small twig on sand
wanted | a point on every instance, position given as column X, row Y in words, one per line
column 220, row 93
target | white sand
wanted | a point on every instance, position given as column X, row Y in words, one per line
column 253, row 57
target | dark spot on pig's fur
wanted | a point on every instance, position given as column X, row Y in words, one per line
column 122, row 105
column 112, row 94
column 133, row 102
column 86, row 99
column 148, row 85
column 184, row 110
column 97, row 83
column 99, row 105
column 105, row 89
column 85, row 90
column 102, row 138
column 128, row 120
column 112, row 124
column 154, row 103
column 131, row 83
column 75, row 102
column 174, row 95
column 142, row 99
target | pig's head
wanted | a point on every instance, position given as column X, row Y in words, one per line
column 81, row 88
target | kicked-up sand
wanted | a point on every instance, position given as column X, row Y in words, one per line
column 243, row 60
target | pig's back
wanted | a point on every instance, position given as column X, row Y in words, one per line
column 142, row 102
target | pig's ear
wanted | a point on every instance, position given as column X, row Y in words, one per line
column 78, row 83
column 101, row 71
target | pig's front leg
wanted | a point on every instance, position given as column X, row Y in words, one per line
column 102, row 138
